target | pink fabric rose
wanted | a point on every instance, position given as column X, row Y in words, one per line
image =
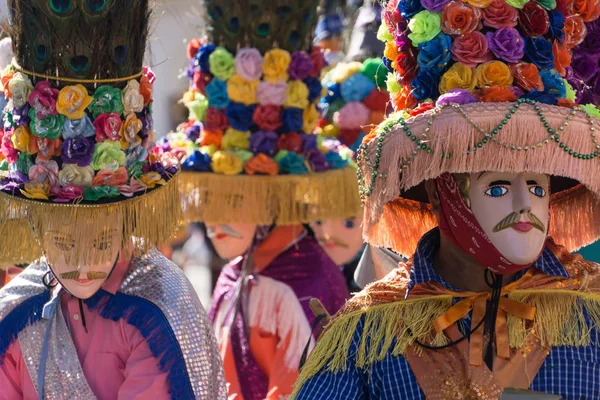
column 8, row 150
column 271, row 93
column 67, row 193
column 471, row 49
column 107, row 127
column 44, row 172
column 249, row 64
column 132, row 189
column 148, row 73
column 352, row 116
column 43, row 99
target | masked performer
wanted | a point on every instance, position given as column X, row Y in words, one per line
column 505, row 164
column 102, row 314
column 254, row 172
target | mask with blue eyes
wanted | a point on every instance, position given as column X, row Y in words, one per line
column 340, row 238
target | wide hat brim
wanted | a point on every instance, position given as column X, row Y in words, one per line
column 151, row 218
column 266, row 200
column 396, row 211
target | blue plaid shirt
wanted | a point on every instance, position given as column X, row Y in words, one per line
column 571, row 372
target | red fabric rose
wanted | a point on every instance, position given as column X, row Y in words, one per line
column 192, row 47
column 267, row 117
column 290, row 142
column 459, row 18
column 406, row 66
column 527, row 76
column 200, row 81
column 348, row 136
column 575, row 31
column 377, row 100
column 471, row 49
column 533, row 20
column 215, row 120
column 497, row 95
column 500, row 14
column 318, row 61
column 566, row 103
column 107, row 127
column 562, row 57
column 421, row 108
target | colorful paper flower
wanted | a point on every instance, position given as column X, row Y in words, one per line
column 353, row 115
column 263, row 142
column 409, row 8
column 275, row 65
column 291, row 163
column 36, row 191
column 240, row 116
column 197, row 161
column 235, row 140
column 459, row 76
column 221, row 63
column 66, row 194
column 95, row 193
column 318, row 61
column 459, row 18
column 249, row 64
column 300, row 65
column 290, row 142
column 296, row 95
column 241, row 90
column 107, row 177
column 78, row 127
column 539, row 51
column 50, row 127
column 108, row 155
column 527, row 76
column 267, row 117
column 72, row 101
column 356, row 87
column 201, row 59
column 43, row 99
column 77, row 150
column 271, row 92
column 533, row 20
column 211, row 138
column 310, row 118
column 72, row 174
column 129, row 132
column 107, row 127
column 506, row 44
column 20, row 87
column 494, row 73
column 197, row 107
column 435, row 53
column 226, row 163
column 132, row 98
column 215, row 120
column 261, row 164
column 216, row 93
column 107, row 99
column 499, row 14
column 456, row 96
column 471, row 49
column 20, row 139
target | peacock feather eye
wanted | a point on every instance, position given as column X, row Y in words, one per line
column 216, row 13
column 234, row 24
column 294, row 39
column 263, row 29
column 61, row 7
column 283, row 11
column 41, row 52
column 95, row 6
column 79, row 63
column 120, row 53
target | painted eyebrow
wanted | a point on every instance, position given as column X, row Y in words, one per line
column 495, row 183
column 532, row 183
column 481, row 174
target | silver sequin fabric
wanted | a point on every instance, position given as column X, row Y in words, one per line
column 151, row 277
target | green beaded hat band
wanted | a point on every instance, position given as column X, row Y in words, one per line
column 404, row 152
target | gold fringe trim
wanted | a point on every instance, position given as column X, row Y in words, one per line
column 264, row 200
column 151, row 219
column 576, row 221
column 559, row 321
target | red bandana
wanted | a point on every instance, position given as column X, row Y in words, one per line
column 459, row 225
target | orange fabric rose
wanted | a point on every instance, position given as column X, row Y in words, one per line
column 146, row 89
column 589, row 10
column 261, row 164
column 527, row 76
column 497, row 94
column 494, row 73
column 45, row 148
column 106, row 177
column 421, row 108
column 403, row 99
column 5, row 79
column 376, row 117
column 562, row 57
column 372, row 135
column 208, row 138
column 480, row 3
column 391, row 50
column 566, row 103
column 575, row 31
column 459, row 18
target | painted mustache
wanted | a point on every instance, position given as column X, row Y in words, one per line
column 228, row 230
column 91, row 275
column 338, row 242
column 514, row 218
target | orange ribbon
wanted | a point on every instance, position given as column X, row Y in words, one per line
column 477, row 302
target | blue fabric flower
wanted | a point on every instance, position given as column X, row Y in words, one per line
column 135, row 154
column 554, row 84
column 240, row 116
column 333, row 92
column 435, row 53
column 292, row 119
column 201, row 57
column 539, row 51
column 425, row 84
column 541, row 97
column 408, row 8
column 557, row 25
column 216, row 93
column 309, row 143
column 387, row 63
column 292, row 163
column 193, row 132
column 197, row 161
column 334, row 160
column 314, row 88
column 356, row 88
column 78, row 127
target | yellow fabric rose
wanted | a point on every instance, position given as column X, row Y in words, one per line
column 21, row 139
column 20, row 87
column 151, row 179
column 71, row 174
column 494, row 73
column 72, row 101
column 480, row 3
column 241, row 90
column 459, row 76
column 330, row 131
column 344, row 71
column 36, row 190
column 129, row 131
column 310, row 118
column 275, row 65
column 226, row 163
column 235, row 140
column 296, row 95
column 210, row 150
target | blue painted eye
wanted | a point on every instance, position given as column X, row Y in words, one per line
column 538, row 191
column 61, row 6
column 496, row 191
column 349, row 223
column 319, row 223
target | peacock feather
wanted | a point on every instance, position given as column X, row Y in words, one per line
column 83, row 39
column 263, row 24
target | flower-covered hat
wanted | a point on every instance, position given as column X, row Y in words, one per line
column 78, row 138
column 249, row 151
column 483, row 85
